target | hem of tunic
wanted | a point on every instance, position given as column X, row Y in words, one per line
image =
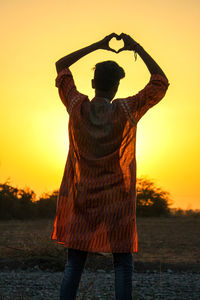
column 97, row 250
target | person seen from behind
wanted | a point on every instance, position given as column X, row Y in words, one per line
column 96, row 204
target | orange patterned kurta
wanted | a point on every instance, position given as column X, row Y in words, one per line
column 96, row 205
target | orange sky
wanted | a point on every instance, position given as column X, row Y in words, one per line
column 34, row 138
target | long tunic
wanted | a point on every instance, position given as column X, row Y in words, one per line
column 96, row 204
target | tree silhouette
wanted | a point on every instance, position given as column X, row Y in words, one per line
column 46, row 205
column 16, row 203
column 22, row 204
column 151, row 200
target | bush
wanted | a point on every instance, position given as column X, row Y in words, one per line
column 178, row 212
column 21, row 204
column 15, row 203
column 151, row 200
column 46, row 206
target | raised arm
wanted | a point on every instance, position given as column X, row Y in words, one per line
column 70, row 59
column 137, row 105
column 131, row 45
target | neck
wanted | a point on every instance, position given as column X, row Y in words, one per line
column 103, row 95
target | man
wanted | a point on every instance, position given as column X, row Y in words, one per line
column 96, row 206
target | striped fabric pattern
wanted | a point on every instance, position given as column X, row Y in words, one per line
column 96, row 205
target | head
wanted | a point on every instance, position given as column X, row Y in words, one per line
column 106, row 80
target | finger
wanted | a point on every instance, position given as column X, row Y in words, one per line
column 115, row 35
column 118, row 37
column 112, row 50
column 122, row 35
column 122, row 49
column 112, row 35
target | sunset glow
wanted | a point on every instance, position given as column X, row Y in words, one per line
column 34, row 137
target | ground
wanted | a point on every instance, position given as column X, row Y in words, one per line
column 164, row 243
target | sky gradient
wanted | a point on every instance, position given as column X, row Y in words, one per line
column 34, row 137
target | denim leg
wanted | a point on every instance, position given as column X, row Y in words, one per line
column 72, row 274
column 123, row 264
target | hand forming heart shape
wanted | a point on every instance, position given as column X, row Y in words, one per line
column 129, row 43
column 116, row 44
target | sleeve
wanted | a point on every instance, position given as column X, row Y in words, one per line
column 136, row 106
column 67, row 90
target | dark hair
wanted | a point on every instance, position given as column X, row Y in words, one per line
column 107, row 74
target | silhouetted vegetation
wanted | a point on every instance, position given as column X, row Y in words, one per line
column 46, row 205
column 151, row 200
column 22, row 204
column 178, row 212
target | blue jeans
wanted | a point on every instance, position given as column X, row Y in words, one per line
column 123, row 265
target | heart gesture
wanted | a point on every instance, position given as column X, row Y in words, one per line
column 129, row 43
column 68, row 60
column 104, row 44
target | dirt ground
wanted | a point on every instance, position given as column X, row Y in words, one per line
column 164, row 243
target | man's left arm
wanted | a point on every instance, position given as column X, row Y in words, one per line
column 70, row 59
column 137, row 105
column 64, row 81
